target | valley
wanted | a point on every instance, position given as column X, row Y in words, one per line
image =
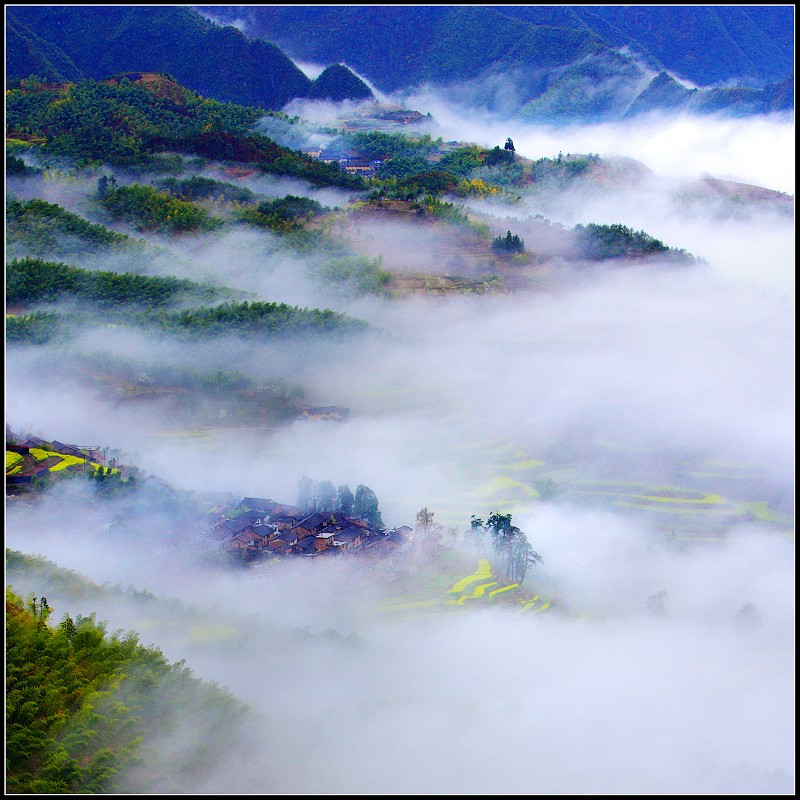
column 522, row 277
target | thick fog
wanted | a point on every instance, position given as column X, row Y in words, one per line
column 639, row 374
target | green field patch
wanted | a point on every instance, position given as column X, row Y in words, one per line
column 665, row 508
column 484, row 571
column 662, row 491
column 527, row 605
column 67, row 461
column 502, row 485
column 531, row 464
column 704, row 500
column 759, row 509
column 211, row 633
column 724, row 465
column 460, row 602
column 12, row 458
column 481, row 589
column 14, row 470
column 508, row 588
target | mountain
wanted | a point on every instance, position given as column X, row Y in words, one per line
column 706, row 45
column 549, row 63
column 338, row 83
column 70, row 43
column 32, row 55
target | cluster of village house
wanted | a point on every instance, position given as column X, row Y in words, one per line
column 351, row 164
column 253, row 526
column 25, row 477
column 275, row 529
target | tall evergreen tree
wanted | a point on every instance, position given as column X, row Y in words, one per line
column 366, row 506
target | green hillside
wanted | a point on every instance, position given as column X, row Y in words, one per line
column 84, row 706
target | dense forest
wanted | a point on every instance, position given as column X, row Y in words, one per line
column 32, row 280
column 555, row 56
column 73, row 43
column 85, row 708
column 566, row 64
column 126, row 121
column 40, row 228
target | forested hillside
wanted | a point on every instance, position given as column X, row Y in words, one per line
column 69, row 43
column 127, row 120
column 560, row 354
column 704, row 44
column 86, row 708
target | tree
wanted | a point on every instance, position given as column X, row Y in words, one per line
column 366, row 506
column 496, row 156
column 657, row 604
column 547, row 488
column 325, row 496
column 345, row 500
column 452, row 535
column 427, row 529
column 509, row 145
column 508, row 244
column 514, row 552
column 305, row 495
column 476, row 533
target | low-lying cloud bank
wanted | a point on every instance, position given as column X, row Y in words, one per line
column 609, row 698
column 637, row 373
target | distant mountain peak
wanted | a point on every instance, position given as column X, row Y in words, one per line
column 337, row 82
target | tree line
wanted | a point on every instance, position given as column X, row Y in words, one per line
column 82, row 706
column 323, row 497
column 33, row 280
column 604, row 242
column 37, row 227
column 127, row 123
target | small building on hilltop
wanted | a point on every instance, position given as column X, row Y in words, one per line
column 326, row 412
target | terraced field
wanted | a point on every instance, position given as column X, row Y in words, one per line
column 442, row 587
column 39, row 459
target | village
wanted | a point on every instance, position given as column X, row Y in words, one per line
column 252, row 528
column 258, row 527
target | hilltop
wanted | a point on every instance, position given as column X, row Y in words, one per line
column 563, row 63
column 74, row 43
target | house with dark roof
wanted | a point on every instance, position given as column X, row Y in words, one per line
column 254, row 517
column 35, row 441
column 261, row 504
column 251, row 541
column 314, row 523
column 306, row 547
column 325, row 539
column 351, row 537
column 230, row 528
column 326, row 412
column 67, row 449
column 284, row 521
column 283, row 538
column 403, row 531
column 386, row 546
